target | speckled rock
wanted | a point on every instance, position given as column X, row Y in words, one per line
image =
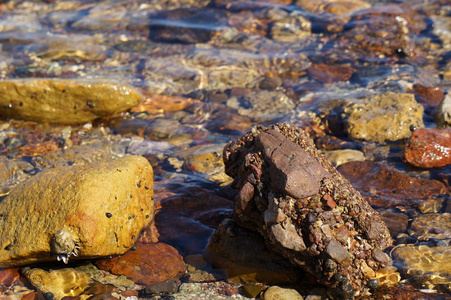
column 296, row 199
column 429, row 267
column 64, row 101
column 429, row 148
column 278, row 293
column 60, row 283
column 147, row 264
column 86, row 211
column 385, row 117
column 261, row 105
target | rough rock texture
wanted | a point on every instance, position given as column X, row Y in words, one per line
column 64, row 101
column 305, row 209
column 429, row 148
column 89, row 211
column 385, row 117
column 147, row 264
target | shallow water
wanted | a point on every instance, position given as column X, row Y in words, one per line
column 208, row 72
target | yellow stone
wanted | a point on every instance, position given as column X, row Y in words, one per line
column 61, row 283
column 90, row 210
column 64, row 101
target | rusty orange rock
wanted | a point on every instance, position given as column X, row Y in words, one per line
column 148, row 264
column 429, row 148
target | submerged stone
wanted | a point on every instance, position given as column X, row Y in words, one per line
column 60, row 283
column 86, row 211
column 429, row 148
column 147, row 264
column 428, row 267
column 64, row 101
column 306, row 211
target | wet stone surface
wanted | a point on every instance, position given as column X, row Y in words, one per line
column 295, row 198
column 357, row 76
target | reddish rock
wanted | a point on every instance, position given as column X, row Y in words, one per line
column 396, row 221
column 386, row 187
column 428, row 96
column 148, row 264
column 330, row 73
column 429, row 148
column 9, row 276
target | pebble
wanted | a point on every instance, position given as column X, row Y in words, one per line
column 278, row 293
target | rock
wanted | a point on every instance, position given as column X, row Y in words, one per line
column 165, row 287
column 261, row 105
column 278, row 293
column 60, row 283
column 429, row 96
column 292, row 28
column 147, row 265
column 444, row 112
column 429, row 267
column 206, row 160
column 64, row 101
column 251, row 290
column 330, row 73
column 339, row 157
column 234, row 249
column 9, row 276
column 292, row 196
column 396, row 221
column 431, row 226
column 121, row 282
column 385, row 117
column 91, row 211
column 429, row 148
column 185, row 25
column 158, row 104
column 375, row 182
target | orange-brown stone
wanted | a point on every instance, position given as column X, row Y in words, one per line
column 148, row 264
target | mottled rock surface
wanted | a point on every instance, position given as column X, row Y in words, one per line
column 64, row 101
column 90, row 211
column 385, row 117
column 429, row 148
column 307, row 211
column 147, row 264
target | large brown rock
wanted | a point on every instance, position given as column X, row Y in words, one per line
column 306, row 211
column 64, row 101
column 90, row 211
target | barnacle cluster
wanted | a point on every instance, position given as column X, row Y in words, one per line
column 64, row 244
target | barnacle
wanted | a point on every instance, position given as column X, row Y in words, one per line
column 64, row 244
